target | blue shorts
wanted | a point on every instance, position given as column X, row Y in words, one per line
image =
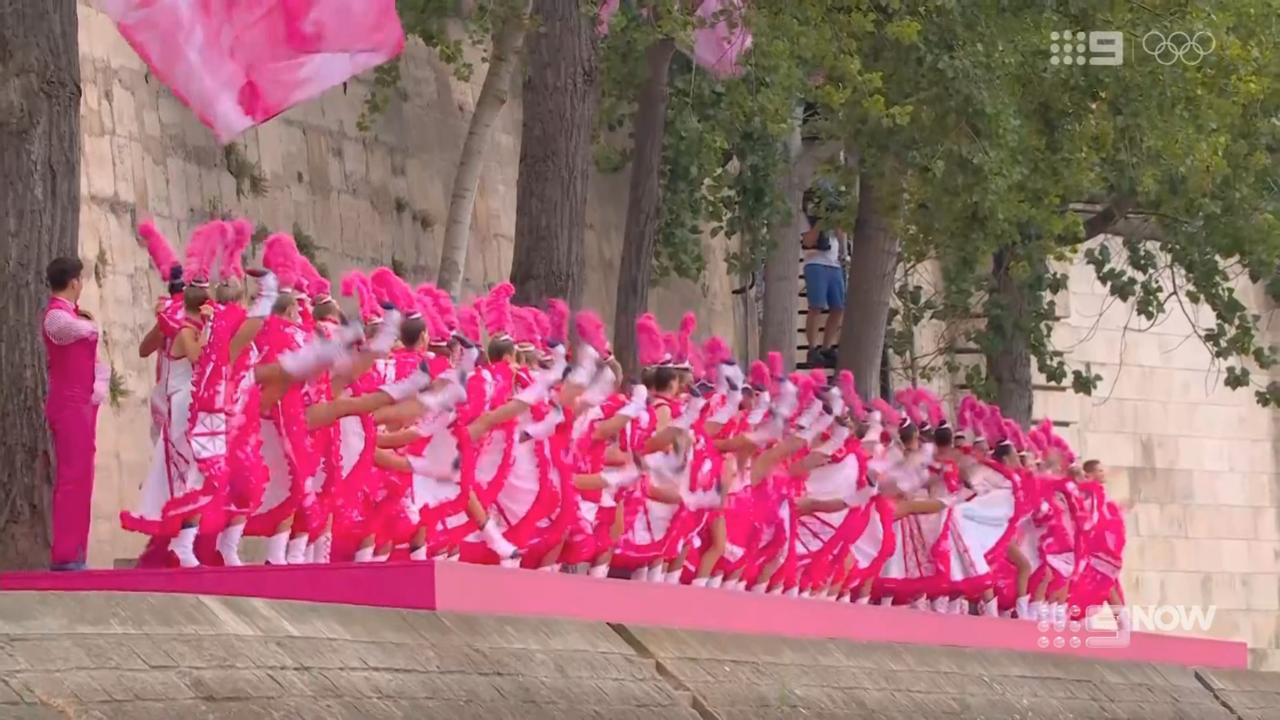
column 824, row 286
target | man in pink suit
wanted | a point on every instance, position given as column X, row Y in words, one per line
column 77, row 385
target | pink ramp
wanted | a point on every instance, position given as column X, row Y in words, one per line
column 476, row 589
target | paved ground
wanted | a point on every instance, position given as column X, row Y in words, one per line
column 138, row 657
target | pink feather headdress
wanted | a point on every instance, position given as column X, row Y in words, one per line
column 162, row 255
column 849, row 390
column 468, row 323
column 544, row 327
column 776, row 368
column 1013, row 434
column 758, row 375
column 495, row 309
column 964, row 413
column 932, row 407
column 391, row 288
column 906, row 399
column 591, row 331
column 438, row 330
column 307, row 275
column 888, row 416
column 716, row 351
column 557, row 321
column 203, row 251
column 441, row 306
column 650, row 347
column 670, row 347
column 233, row 249
column 684, row 340
column 524, row 328
column 698, row 362
column 806, row 388
column 356, row 285
column 280, row 256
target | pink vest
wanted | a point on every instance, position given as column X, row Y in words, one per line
column 71, row 367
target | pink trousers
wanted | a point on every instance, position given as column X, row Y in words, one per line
column 73, row 428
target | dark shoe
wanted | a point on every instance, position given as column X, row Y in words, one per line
column 814, row 357
column 830, row 356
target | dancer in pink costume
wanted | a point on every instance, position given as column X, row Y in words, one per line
column 78, row 384
column 176, row 493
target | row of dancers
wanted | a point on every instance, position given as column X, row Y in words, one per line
column 426, row 429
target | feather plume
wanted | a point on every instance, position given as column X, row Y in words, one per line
column 233, row 250
column 849, row 390
column 684, row 337
column 355, row 284
column 495, row 309
column 391, row 288
column 468, row 323
column 307, row 275
column 697, row 360
column 162, row 255
column 203, row 250
column 557, row 321
column 437, row 331
column 649, row 340
column 544, row 326
column 774, row 361
column 931, row 405
column 671, row 347
column 320, row 287
column 1013, row 434
column 280, row 256
column 758, row 375
column 716, row 351
column 440, row 305
column 524, row 328
column 806, row 387
column 591, row 331
column 889, row 417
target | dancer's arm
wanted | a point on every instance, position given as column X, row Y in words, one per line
column 151, row 342
column 399, row 438
column 662, row 494
column 808, row 505
column 389, row 460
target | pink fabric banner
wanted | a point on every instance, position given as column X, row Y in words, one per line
column 238, row 63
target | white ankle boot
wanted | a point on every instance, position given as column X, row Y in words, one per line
column 184, row 546
column 229, row 544
column 277, row 548
column 295, row 552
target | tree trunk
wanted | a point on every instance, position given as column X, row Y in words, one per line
column 872, row 264
column 782, row 264
column 503, row 59
column 555, row 154
column 1008, row 354
column 39, row 220
column 644, row 202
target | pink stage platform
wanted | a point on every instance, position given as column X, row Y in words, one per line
column 456, row 587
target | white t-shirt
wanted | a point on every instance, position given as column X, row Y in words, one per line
column 829, row 257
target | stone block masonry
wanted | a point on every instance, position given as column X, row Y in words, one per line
column 136, row 656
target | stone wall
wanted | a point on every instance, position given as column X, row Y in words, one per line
column 138, row 657
column 1200, row 462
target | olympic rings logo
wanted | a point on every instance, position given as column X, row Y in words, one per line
column 1190, row 49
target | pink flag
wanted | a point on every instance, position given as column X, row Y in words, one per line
column 238, row 63
column 721, row 38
